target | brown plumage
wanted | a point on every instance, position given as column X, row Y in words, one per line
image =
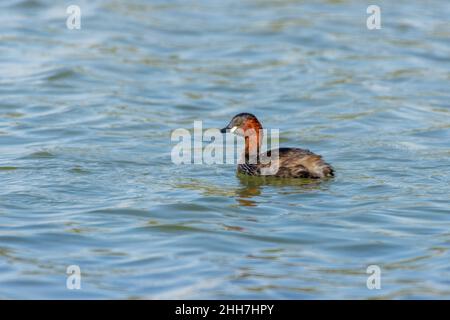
column 290, row 163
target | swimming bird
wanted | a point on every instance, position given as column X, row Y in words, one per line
column 290, row 163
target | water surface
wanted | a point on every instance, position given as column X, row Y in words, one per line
column 86, row 176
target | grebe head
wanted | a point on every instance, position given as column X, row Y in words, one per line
column 242, row 123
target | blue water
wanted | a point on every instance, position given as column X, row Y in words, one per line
column 86, row 176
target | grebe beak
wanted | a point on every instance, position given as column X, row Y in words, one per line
column 232, row 129
column 224, row 130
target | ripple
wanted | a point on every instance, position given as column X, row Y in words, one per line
column 40, row 155
column 8, row 168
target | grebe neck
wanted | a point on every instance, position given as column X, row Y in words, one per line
column 253, row 138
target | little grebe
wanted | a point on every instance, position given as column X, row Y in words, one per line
column 291, row 162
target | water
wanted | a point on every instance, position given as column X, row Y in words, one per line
column 85, row 169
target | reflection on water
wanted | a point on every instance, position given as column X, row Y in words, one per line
column 251, row 187
column 85, row 171
column 247, row 191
